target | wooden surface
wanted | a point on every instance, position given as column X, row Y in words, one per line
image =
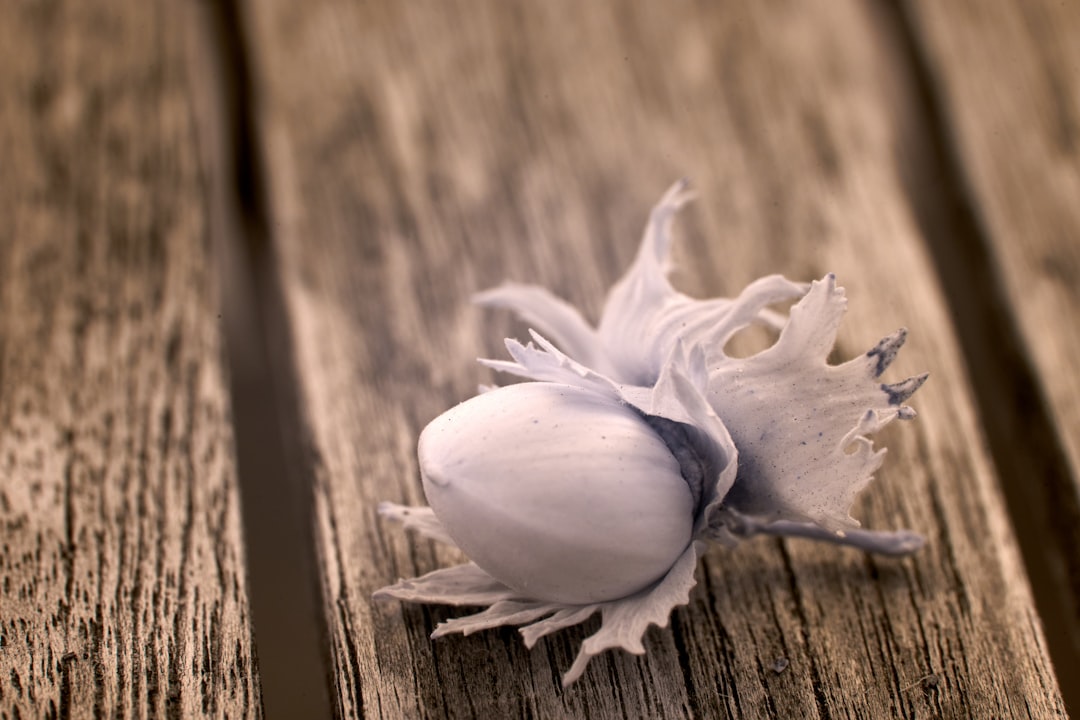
column 376, row 164
column 122, row 574
column 459, row 144
column 1016, row 118
column 1015, row 121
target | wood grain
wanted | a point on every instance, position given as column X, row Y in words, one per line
column 122, row 583
column 1008, row 77
column 418, row 152
column 1016, row 118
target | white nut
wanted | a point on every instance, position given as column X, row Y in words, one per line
column 561, row 493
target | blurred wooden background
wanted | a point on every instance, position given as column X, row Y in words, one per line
column 237, row 245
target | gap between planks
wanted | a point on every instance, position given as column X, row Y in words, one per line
column 274, row 487
column 1023, row 438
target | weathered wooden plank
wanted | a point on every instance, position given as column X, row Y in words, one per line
column 419, row 152
column 1008, row 75
column 122, row 588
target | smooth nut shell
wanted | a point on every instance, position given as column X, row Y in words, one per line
column 559, row 492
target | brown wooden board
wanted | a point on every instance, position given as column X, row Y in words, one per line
column 122, row 578
column 419, row 152
column 1008, row 77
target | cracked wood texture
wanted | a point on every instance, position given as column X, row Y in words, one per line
column 122, row 580
column 418, row 152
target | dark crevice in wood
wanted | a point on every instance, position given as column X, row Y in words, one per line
column 275, row 488
column 351, row 659
column 1025, row 444
column 66, row 663
column 678, row 634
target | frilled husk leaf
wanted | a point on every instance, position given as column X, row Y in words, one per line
column 800, row 426
column 623, row 621
column 644, row 316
